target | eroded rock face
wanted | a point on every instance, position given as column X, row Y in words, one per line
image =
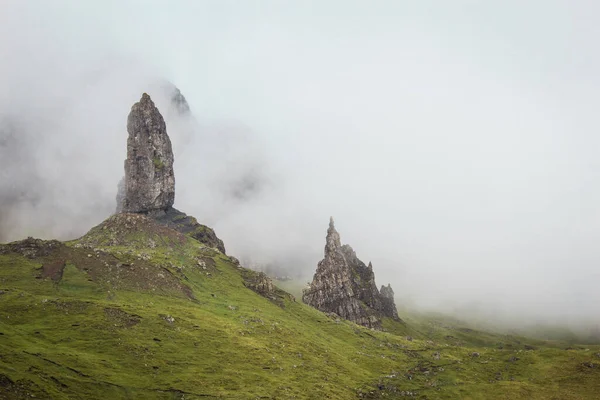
column 188, row 225
column 344, row 285
column 31, row 247
column 387, row 302
column 261, row 284
column 149, row 178
column 148, row 186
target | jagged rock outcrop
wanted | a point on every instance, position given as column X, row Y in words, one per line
column 148, row 186
column 149, row 177
column 179, row 102
column 187, row 225
column 344, row 285
column 260, row 283
column 387, row 302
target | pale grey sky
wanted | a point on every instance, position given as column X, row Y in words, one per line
column 453, row 142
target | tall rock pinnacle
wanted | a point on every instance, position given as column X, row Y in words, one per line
column 333, row 242
column 149, row 179
column 344, row 285
column 148, row 186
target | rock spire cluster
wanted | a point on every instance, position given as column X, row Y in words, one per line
column 344, row 285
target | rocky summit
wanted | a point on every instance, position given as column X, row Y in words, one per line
column 148, row 186
column 344, row 285
column 149, row 179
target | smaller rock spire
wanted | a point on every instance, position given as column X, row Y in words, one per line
column 344, row 285
column 389, row 305
column 333, row 242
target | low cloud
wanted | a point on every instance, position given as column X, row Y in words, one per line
column 455, row 147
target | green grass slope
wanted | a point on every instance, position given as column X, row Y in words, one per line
column 136, row 310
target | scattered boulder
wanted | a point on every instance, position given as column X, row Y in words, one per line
column 149, row 178
column 344, row 285
column 169, row 319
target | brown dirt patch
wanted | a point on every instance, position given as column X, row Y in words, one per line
column 53, row 270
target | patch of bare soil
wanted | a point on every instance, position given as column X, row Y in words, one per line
column 53, row 270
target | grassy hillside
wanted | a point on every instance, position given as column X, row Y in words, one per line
column 136, row 310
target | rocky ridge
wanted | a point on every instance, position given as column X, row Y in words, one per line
column 344, row 285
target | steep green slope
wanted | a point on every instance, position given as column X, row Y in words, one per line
column 136, row 310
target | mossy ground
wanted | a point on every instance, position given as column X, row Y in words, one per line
column 96, row 334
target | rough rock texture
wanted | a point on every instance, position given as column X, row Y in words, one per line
column 149, row 177
column 344, row 285
column 260, row 283
column 387, row 300
column 31, row 247
column 148, row 186
column 189, row 226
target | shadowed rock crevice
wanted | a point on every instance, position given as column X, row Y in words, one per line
column 344, row 285
column 189, row 226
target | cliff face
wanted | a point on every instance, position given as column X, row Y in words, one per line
column 344, row 285
column 149, row 178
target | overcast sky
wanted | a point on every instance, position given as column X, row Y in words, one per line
column 455, row 143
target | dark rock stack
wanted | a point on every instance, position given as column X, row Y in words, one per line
column 149, row 176
column 388, row 306
column 344, row 285
column 149, row 183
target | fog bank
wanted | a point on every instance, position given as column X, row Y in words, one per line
column 455, row 145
